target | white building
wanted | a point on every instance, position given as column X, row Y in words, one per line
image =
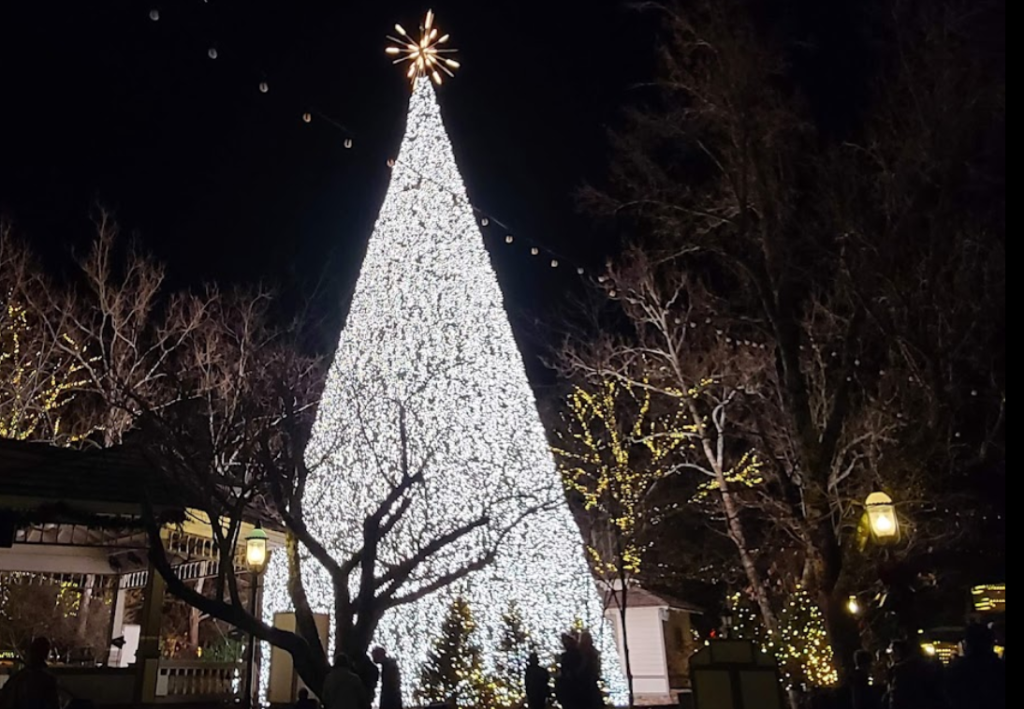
column 661, row 641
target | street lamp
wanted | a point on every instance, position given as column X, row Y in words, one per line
column 257, row 556
column 885, row 527
column 256, row 552
column 853, row 606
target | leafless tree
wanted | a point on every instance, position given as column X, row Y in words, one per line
column 222, row 401
column 843, row 301
column 37, row 378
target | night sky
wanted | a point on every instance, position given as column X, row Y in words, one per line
column 103, row 105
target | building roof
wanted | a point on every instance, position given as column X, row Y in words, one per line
column 114, row 481
column 642, row 598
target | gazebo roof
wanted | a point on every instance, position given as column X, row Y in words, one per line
column 43, row 479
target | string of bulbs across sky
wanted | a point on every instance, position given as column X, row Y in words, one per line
column 428, row 56
column 431, row 56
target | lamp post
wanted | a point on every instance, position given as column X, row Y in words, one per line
column 257, row 555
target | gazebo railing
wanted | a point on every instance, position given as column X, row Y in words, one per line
column 195, row 680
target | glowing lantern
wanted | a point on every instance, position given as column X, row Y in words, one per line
column 256, row 552
column 885, row 527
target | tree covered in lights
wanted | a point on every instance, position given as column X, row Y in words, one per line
column 800, row 646
column 512, row 655
column 454, row 670
column 612, row 453
column 38, row 378
column 430, row 476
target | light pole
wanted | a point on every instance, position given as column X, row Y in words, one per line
column 884, row 524
column 257, row 555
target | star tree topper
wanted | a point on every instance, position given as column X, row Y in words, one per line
column 425, row 55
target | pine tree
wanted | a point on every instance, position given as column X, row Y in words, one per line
column 511, row 659
column 454, row 668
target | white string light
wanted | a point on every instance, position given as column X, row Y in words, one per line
column 427, row 332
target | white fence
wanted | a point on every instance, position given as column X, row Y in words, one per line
column 194, row 680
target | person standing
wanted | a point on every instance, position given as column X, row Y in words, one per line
column 538, row 684
column 390, row 680
column 590, row 675
column 569, row 682
column 978, row 679
column 343, row 688
column 305, row 701
column 862, row 694
column 34, row 687
column 913, row 682
column 369, row 674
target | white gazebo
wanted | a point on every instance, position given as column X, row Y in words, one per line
column 72, row 520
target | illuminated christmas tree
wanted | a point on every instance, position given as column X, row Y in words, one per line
column 427, row 342
column 454, row 669
column 513, row 657
column 801, row 648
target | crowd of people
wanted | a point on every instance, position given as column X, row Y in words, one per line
column 975, row 680
column 353, row 684
column 577, row 679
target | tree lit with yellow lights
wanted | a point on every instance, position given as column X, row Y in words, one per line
column 36, row 381
column 612, row 453
column 801, row 645
column 454, row 670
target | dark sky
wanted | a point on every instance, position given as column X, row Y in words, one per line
column 102, row 105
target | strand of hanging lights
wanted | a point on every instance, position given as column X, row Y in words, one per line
column 428, row 56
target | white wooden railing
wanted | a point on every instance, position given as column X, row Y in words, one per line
column 194, row 680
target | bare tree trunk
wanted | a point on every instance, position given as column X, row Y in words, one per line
column 623, row 604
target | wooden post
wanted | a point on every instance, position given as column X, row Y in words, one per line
column 147, row 658
column 116, row 623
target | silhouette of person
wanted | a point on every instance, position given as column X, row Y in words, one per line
column 305, row 701
column 569, row 683
column 34, row 687
column 538, row 684
column 862, row 694
column 590, row 675
column 978, row 679
column 390, row 680
column 369, row 674
column 343, row 688
column 913, row 682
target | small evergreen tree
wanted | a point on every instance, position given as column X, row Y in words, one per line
column 454, row 670
column 511, row 659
